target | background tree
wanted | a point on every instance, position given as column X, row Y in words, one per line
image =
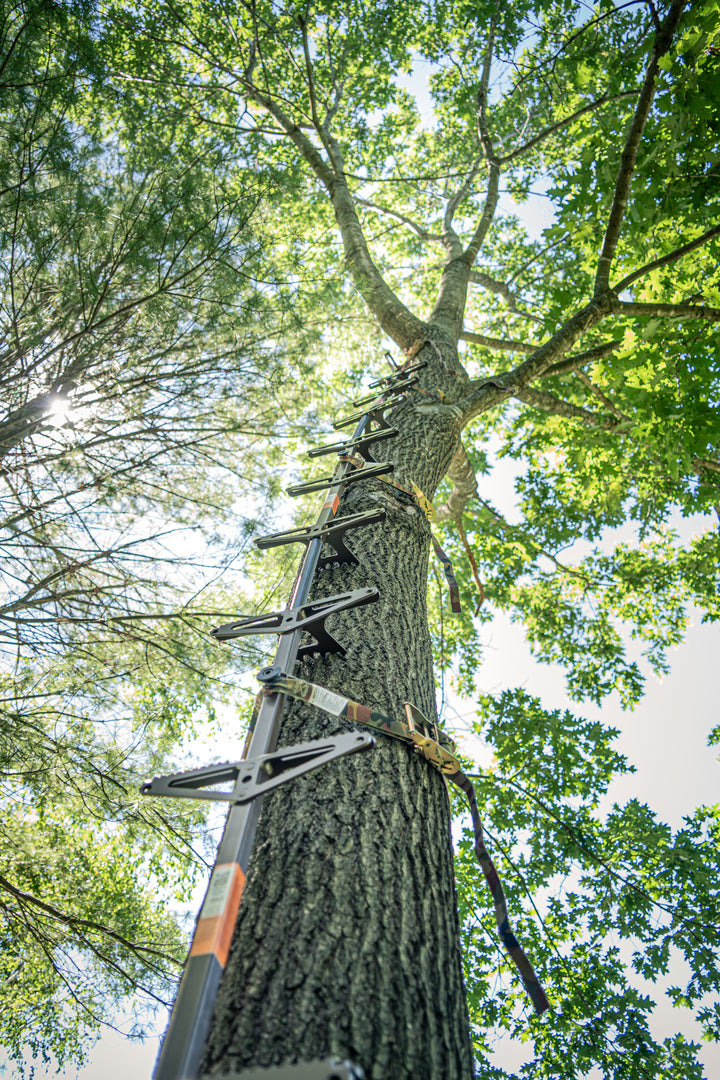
column 609, row 406
column 138, row 383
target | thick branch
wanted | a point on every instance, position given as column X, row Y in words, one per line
column 452, row 295
column 671, row 257
column 701, row 464
column 464, row 489
column 450, row 237
column 479, row 277
column 663, row 40
column 670, row 311
column 395, row 319
column 540, row 399
column 563, row 339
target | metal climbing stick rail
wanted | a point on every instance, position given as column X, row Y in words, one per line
column 184, row 1041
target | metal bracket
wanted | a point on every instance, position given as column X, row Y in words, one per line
column 309, row 617
column 399, row 378
column 331, row 533
column 328, row 1069
column 255, row 776
column 375, row 414
column 361, row 445
column 350, row 478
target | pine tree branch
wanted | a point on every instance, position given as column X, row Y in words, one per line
column 75, row 922
column 661, row 45
column 671, row 257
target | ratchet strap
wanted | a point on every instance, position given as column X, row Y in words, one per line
column 439, row 749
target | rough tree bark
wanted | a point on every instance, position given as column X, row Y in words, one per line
column 347, row 938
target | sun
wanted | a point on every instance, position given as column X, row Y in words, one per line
column 60, row 411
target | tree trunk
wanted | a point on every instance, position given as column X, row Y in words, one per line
column 347, row 938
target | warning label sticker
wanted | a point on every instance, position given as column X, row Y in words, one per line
column 218, row 891
column 325, row 699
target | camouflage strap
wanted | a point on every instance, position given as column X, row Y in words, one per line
column 437, row 748
column 434, row 745
column 429, row 511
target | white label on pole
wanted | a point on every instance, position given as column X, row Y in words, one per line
column 325, row 699
column 218, row 891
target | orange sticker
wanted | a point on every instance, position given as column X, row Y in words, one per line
column 332, row 504
column 215, row 926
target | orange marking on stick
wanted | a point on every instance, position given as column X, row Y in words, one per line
column 215, row 926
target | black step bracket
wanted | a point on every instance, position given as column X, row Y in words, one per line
column 375, row 415
column 361, row 445
column 309, row 617
column 332, row 533
column 328, row 1069
column 349, row 478
column 399, row 377
column 255, row 776
column 397, row 386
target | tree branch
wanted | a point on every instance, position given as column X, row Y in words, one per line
column 395, row 319
column 670, row 311
column 498, row 343
column 450, row 237
column 700, row 464
column 540, row 399
column 465, row 488
column 572, row 363
column 671, row 257
column 479, row 277
column 75, row 921
column 486, row 393
column 595, row 389
column 661, row 44
column 491, row 199
column 564, row 123
column 423, row 233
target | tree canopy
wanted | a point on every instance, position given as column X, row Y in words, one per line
column 233, row 184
